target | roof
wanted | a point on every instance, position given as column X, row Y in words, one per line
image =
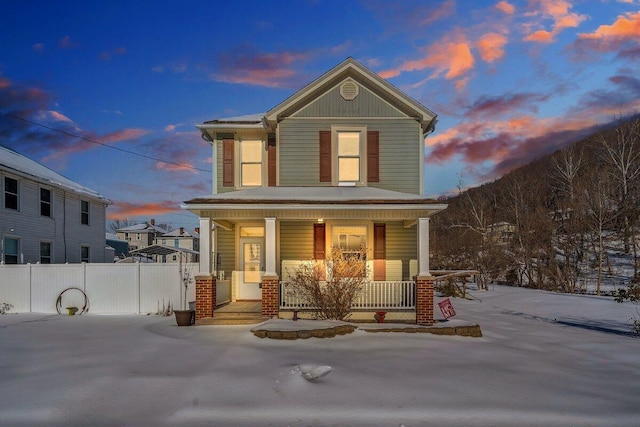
column 21, row 165
column 349, row 68
column 144, row 227
column 313, row 195
column 161, row 250
column 176, row 233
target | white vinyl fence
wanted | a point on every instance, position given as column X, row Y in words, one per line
column 109, row 288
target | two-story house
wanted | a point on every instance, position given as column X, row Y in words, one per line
column 338, row 163
column 140, row 235
column 180, row 239
column 46, row 218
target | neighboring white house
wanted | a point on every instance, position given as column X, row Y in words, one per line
column 141, row 235
column 47, row 218
column 180, row 238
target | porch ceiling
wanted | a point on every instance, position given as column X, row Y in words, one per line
column 312, row 203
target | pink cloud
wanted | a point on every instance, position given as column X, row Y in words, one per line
column 170, row 128
column 558, row 11
column 67, row 43
column 122, row 135
column 38, row 47
column 270, row 69
column 505, row 7
column 176, row 167
column 125, row 209
column 607, row 38
column 450, row 57
column 491, row 46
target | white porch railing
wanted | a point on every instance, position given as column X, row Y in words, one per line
column 388, row 295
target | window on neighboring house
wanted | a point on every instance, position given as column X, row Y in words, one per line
column 84, row 212
column 164, row 241
column 84, row 253
column 176, row 243
column 11, row 193
column 11, row 250
column 251, row 163
column 175, row 258
column 45, row 202
column 45, row 252
column 138, row 236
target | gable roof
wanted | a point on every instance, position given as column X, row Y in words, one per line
column 144, row 227
column 20, row 165
column 349, row 68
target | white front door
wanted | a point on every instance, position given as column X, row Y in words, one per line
column 251, row 268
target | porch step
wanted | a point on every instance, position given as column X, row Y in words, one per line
column 232, row 319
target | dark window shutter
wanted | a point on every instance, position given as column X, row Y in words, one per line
column 319, row 251
column 379, row 251
column 325, row 156
column 271, row 160
column 227, row 163
column 373, row 156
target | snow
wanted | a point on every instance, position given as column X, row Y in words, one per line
column 15, row 161
column 528, row 369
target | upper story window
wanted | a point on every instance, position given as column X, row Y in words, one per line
column 251, row 163
column 84, row 212
column 11, row 193
column 45, row 202
column 349, row 156
column 11, row 250
column 176, row 243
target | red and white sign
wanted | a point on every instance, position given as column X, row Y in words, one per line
column 446, row 308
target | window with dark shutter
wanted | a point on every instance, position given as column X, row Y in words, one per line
column 325, row 156
column 379, row 252
column 227, row 163
column 271, row 160
column 373, row 156
column 319, row 251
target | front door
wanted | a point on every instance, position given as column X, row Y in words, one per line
column 251, row 268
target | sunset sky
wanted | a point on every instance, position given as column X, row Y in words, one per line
column 108, row 93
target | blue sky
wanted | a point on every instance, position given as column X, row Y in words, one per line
column 108, row 93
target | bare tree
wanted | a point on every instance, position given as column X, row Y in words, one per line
column 621, row 151
column 346, row 274
column 117, row 224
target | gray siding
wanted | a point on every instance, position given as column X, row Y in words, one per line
column 400, row 162
column 63, row 229
column 296, row 240
column 226, row 246
column 332, row 104
column 402, row 243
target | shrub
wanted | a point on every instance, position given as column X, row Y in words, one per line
column 334, row 295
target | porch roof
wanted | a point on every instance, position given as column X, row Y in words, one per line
column 314, row 202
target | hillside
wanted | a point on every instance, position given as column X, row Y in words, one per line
column 567, row 221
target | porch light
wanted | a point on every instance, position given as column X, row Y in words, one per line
column 320, row 220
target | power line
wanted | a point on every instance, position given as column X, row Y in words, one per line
column 84, row 138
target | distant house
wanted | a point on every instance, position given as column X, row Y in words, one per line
column 47, row 218
column 140, row 235
column 120, row 247
column 180, row 238
column 339, row 163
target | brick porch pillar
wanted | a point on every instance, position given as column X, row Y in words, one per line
column 424, row 300
column 205, row 296
column 270, row 296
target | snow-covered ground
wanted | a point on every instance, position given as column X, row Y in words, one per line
column 545, row 360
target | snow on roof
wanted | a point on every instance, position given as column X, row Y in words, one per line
column 144, row 227
column 16, row 162
column 177, row 233
column 257, row 117
column 314, row 194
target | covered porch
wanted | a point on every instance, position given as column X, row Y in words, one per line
column 265, row 231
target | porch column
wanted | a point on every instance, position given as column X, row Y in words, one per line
column 270, row 279
column 270, row 246
column 423, row 247
column 205, row 246
column 424, row 281
column 205, row 296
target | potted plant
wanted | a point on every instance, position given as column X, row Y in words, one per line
column 187, row 315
